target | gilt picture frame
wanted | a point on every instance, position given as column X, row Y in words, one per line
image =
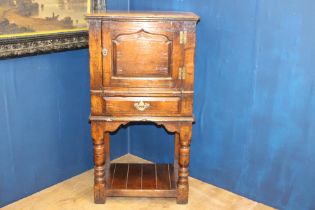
column 30, row 27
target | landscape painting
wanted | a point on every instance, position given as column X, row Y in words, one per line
column 18, row 17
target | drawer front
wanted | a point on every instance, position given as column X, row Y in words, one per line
column 166, row 106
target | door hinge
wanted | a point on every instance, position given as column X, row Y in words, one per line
column 182, row 73
column 183, row 37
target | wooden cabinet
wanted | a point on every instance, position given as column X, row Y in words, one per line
column 142, row 69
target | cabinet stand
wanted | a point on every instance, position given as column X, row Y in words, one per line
column 141, row 180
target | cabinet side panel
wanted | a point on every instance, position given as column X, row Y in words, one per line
column 107, row 59
column 187, row 104
column 95, row 54
column 189, row 55
column 177, row 56
column 97, row 104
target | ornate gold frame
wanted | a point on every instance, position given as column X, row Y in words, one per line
column 32, row 44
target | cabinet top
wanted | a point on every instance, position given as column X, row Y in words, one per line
column 135, row 15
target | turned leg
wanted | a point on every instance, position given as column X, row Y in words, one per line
column 184, row 152
column 99, row 164
column 176, row 155
column 107, row 159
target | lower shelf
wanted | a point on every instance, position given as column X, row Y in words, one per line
column 145, row 180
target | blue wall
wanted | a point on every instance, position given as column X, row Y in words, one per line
column 122, row 5
column 255, row 99
column 150, row 142
column 44, row 129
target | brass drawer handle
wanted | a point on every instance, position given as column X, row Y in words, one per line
column 141, row 106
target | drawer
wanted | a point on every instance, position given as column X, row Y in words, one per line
column 142, row 105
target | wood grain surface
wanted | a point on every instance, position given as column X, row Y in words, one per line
column 155, row 15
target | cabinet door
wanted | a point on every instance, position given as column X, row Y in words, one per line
column 140, row 54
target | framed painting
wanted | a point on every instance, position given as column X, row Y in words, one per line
column 30, row 27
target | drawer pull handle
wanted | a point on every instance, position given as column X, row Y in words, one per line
column 141, row 106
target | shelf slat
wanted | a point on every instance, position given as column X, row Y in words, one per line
column 148, row 176
column 163, row 177
column 150, row 180
column 120, row 176
column 134, row 176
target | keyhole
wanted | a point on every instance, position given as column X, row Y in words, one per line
column 104, row 51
